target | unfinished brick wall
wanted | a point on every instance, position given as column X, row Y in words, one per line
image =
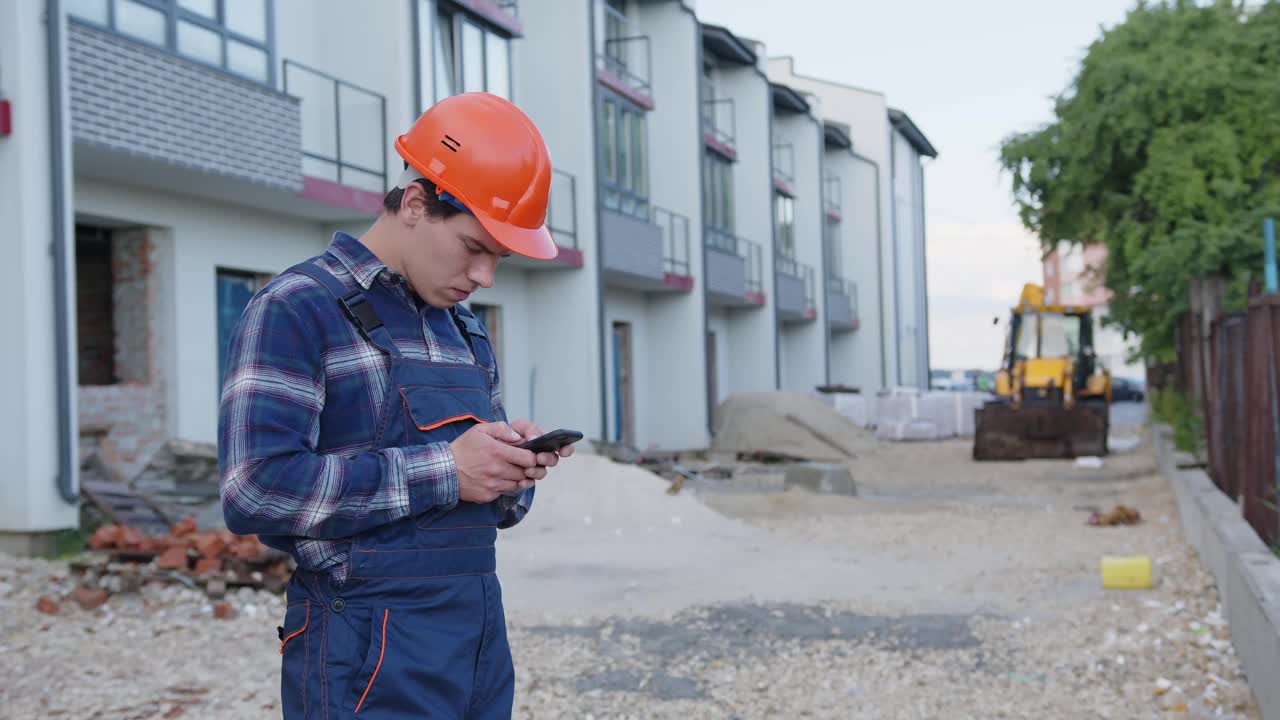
column 124, row 422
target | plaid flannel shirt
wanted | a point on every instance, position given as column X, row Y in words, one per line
column 294, row 353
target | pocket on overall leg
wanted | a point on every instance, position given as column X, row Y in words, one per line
column 295, row 661
column 365, row 684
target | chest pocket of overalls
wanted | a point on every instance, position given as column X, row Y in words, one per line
column 450, row 402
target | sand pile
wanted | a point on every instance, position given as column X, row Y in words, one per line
column 784, row 423
column 591, row 494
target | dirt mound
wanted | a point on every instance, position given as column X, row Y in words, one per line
column 791, row 424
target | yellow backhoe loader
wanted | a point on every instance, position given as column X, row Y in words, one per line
column 1053, row 398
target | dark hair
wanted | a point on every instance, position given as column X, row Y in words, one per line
column 436, row 207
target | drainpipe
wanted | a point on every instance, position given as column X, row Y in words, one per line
column 822, row 270
column 606, row 332
column 884, row 372
column 893, row 221
column 68, row 487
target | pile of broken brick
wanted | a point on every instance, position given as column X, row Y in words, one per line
column 122, row 559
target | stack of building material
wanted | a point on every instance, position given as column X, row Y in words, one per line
column 907, row 414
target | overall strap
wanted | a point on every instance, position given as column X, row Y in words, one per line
column 356, row 305
column 474, row 334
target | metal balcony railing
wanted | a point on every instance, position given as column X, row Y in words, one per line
column 753, row 252
column 786, row 265
column 784, row 163
column 806, row 272
column 343, row 128
column 831, row 194
column 562, row 209
column 721, row 239
column 675, row 239
column 719, row 122
column 626, row 51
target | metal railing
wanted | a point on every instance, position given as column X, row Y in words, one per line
column 786, row 265
column 806, row 272
column 841, row 286
column 784, row 162
column 343, row 128
column 626, row 51
column 754, row 254
column 718, row 119
column 562, row 209
column 510, row 6
column 721, row 239
column 831, row 195
column 675, row 239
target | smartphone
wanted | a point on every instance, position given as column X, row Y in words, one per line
column 552, row 441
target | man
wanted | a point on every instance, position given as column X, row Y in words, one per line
column 362, row 430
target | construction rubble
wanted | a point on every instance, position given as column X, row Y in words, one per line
column 122, row 559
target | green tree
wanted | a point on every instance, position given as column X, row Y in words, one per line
column 1165, row 147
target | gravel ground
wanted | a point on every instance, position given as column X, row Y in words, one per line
column 995, row 610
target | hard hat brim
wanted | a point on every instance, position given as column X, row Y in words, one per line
column 535, row 243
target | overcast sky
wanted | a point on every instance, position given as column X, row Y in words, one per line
column 967, row 74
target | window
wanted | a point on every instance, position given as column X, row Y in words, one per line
column 624, row 144
column 235, row 289
column 466, row 55
column 491, row 317
column 717, row 191
column 229, row 34
column 785, row 217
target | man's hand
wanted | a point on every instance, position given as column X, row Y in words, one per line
column 528, row 431
column 489, row 465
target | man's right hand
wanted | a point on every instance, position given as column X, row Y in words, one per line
column 488, row 464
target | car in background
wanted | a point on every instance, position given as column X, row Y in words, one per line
column 1127, row 390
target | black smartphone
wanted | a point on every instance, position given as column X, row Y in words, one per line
column 552, row 441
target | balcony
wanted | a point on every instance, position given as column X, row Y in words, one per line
column 734, row 270
column 795, row 291
column 842, row 304
column 344, row 126
column 502, row 13
column 562, row 221
column 719, row 127
column 784, row 168
column 648, row 255
column 832, row 198
column 145, row 116
column 625, row 62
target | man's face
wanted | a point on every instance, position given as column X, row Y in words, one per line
column 447, row 260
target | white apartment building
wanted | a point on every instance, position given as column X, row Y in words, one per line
column 724, row 226
column 887, row 143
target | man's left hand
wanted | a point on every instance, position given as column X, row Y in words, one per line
column 528, row 431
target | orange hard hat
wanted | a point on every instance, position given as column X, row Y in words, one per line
column 488, row 155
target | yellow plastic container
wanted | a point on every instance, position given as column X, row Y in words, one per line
column 1126, row 573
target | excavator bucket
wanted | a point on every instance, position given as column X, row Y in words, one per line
column 1005, row 432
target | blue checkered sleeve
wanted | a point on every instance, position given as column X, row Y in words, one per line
column 273, row 482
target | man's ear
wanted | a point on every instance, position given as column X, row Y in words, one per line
column 413, row 204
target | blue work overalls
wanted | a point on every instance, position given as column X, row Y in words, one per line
column 417, row 629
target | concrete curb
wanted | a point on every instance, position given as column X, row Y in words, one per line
column 1246, row 572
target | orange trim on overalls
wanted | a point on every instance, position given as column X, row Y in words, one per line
column 305, row 621
column 382, row 651
column 433, row 426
